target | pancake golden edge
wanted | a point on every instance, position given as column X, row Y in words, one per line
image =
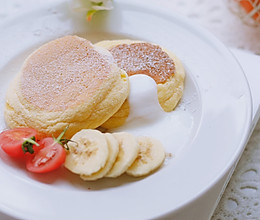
column 85, row 101
column 169, row 93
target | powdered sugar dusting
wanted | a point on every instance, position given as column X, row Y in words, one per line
column 144, row 58
column 63, row 73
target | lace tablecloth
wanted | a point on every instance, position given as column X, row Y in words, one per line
column 241, row 199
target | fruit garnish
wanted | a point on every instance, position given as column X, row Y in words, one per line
column 28, row 143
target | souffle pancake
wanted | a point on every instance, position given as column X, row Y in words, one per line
column 68, row 81
column 139, row 57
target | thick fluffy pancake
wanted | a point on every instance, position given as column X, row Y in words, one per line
column 67, row 81
column 137, row 57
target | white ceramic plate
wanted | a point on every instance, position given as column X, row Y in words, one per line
column 207, row 135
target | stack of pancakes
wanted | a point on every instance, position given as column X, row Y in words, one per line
column 70, row 81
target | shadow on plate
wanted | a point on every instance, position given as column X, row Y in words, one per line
column 63, row 177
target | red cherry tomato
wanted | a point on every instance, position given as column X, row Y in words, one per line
column 50, row 156
column 12, row 140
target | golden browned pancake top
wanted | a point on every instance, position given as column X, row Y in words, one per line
column 144, row 58
column 63, row 73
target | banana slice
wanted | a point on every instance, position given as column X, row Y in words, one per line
column 88, row 152
column 113, row 147
column 128, row 151
column 150, row 157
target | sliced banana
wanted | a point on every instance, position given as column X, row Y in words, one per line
column 113, row 147
column 128, row 151
column 150, row 157
column 88, row 152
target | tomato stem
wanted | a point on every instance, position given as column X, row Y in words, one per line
column 63, row 141
column 61, row 135
column 28, row 143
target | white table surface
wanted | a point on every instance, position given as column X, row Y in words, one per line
column 241, row 199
